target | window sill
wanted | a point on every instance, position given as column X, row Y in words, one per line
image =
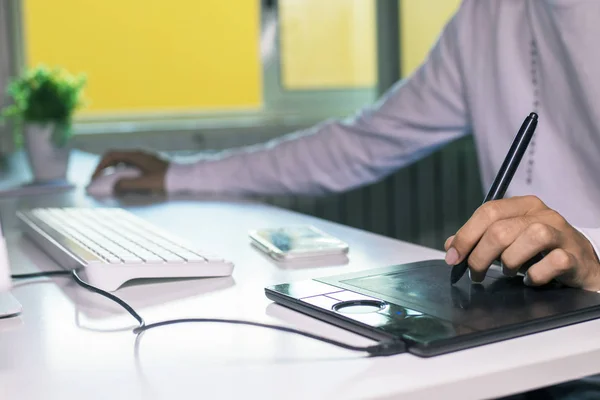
column 188, row 133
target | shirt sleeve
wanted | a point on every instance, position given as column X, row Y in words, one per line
column 593, row 236
column 413, row 119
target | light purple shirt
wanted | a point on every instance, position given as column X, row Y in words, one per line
column 478, row 78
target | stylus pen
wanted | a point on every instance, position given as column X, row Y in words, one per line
column 503, row 178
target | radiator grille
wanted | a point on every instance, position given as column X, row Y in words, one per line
column 423, row 203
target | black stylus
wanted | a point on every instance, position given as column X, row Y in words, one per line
column 503, row 178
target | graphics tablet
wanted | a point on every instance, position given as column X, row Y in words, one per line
column 416, row 303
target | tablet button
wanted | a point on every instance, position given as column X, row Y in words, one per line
column 303, row 289
column 359, row 306
column 347, row 295
column 321, row 301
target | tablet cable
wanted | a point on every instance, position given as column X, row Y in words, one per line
column 385, row 348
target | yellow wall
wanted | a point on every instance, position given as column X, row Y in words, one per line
column 327, row 43
column 152, row 55
column 331, row 44
column 149, row 55
column 421, row 21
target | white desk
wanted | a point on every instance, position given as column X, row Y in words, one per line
column 71, row 344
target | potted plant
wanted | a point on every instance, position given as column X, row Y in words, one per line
column 44, row 101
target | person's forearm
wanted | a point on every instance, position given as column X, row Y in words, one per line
column 332, row 157
column 414, row 118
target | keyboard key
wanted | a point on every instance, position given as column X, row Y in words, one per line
column 108, row 256
column 191, row 257
column 127, row 258
column 213, row 258
column 150, row 257
column 116, row 236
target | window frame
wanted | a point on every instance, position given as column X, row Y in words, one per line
column 220, row 129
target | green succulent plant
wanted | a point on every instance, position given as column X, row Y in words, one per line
column 42, row 95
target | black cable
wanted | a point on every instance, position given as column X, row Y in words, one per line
column 381, row 349
column 40, row 274
column 378, row 349
column 110, row 296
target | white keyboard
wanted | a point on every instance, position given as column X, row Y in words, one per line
column 115, row 246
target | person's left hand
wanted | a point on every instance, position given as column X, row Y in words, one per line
column 515, row 230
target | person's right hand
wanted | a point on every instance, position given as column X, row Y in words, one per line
column 153, row 170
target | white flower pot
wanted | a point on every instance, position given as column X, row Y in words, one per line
column 48, row 162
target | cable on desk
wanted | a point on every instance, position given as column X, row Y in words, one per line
column 381, row 349
column 40, row 274
column 110, row 296
column 378, row 349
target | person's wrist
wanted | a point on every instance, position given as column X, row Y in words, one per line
column 593, row 246
column 162, row 177
column 589, row 235
column 177, row 177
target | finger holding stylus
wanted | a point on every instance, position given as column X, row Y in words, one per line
column 515, row 230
